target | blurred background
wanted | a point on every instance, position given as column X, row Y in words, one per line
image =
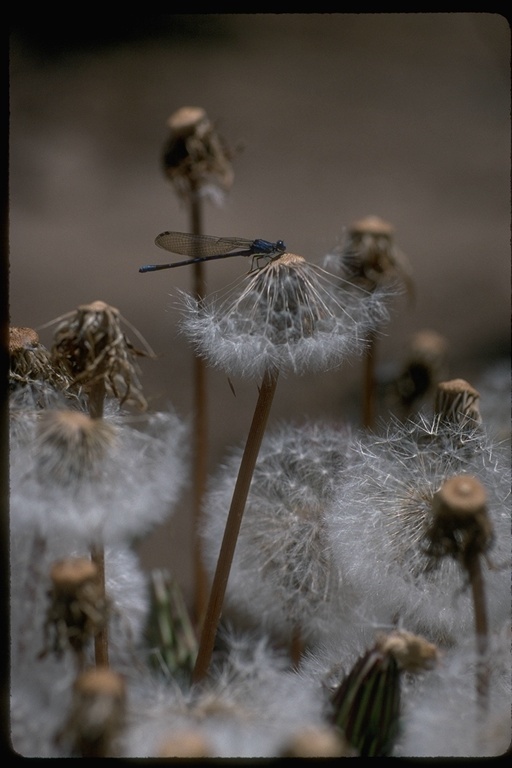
column 331, row 117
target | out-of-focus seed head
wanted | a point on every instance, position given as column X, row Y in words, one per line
column 71, row 446
column 195, row 157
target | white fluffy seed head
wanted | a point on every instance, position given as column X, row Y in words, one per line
column 290, row 316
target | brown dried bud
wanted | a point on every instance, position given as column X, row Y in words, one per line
column 457, row 402
column 90, row 343
column 21, row 338
column 69, row 575
column 195, row 155
column 78, row 609
column 31, row 363
column 370, row 256
column 320, row 741
column 186, row 743
column 411, row 652
column 424, row 366
column 98, row 713
column 460, row 527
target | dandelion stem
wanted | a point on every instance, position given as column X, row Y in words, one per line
column 96, row 397
column 234, row 520
column 481, row 630
column 101, row 639
column 200, row 424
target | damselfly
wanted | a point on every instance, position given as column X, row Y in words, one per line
column 209, row 247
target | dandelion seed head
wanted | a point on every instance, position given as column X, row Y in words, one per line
column 282, row 576
column 380, row 517
column 132, row 487
column 287, row 316
column 250, row 705
column 71, row 446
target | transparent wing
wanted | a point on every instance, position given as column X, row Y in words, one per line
column 195, row 246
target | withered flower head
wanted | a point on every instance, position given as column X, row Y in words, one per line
column 369, row 256
column 78, row 609
column 460, row 525
column 30, row 362
column 97, row 714
column 411, row 652
column 423, row 367
column 91, row 345
column 195, row 157
column 457, row 402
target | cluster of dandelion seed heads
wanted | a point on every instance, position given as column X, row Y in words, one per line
column 289, row 316
column 387, row 505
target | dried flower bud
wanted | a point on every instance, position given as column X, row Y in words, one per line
column 460, row 527
column 457, row 402
column 320, row 741
column 71, row 446
column 423, row 368
column 90, row 343
column 78, row 609
column 185, row 743
column 412, row 652
column 366, row 704
column 369, row 256
column 195, row 157
column 97, row 714
column 30, row 361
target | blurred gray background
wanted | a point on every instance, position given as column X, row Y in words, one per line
column 333, row 116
